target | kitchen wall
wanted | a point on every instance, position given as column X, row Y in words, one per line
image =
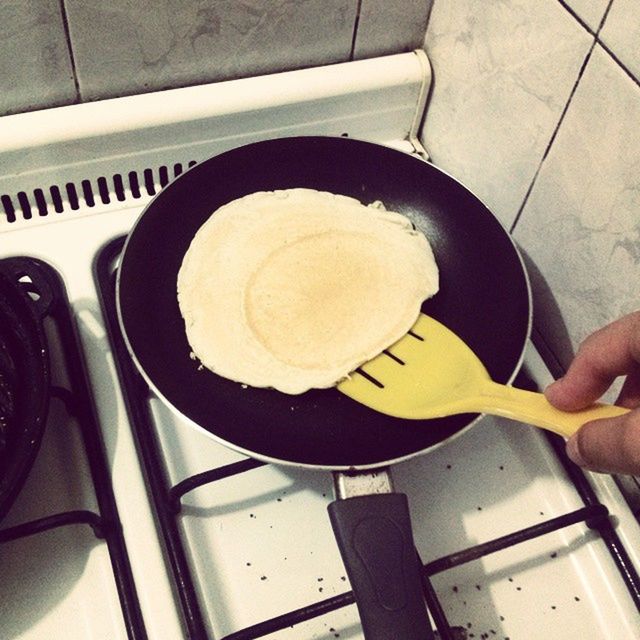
column 536, row 107
column 56, row 52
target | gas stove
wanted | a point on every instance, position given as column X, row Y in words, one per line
column 134, row 525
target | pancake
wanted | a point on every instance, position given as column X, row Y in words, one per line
column 294, row 289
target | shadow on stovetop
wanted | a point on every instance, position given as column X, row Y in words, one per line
column 101, row 370
column 40, row 571
column 298, row 481
column 439, row 524
column 547, row 315
column 38, row 577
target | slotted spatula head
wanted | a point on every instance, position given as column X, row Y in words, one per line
column 432, row 373
column 428, row 373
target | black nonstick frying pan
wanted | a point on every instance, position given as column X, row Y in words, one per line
column 484, row 298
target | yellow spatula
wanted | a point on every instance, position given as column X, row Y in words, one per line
column 432, row 373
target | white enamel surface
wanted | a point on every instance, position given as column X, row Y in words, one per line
column 60, row 579
column 191, row 110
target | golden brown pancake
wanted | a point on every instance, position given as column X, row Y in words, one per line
column 294, row 289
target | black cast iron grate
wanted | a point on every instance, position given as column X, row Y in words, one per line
column 167, row 499
column 43, row 281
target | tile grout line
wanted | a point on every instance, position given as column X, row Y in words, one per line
column 65, row 24
column 564, row 111
column 617, row 60
column 553, row 137
column 356, row 23
column 578, row 19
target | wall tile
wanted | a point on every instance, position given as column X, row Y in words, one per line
column 503, row 72
column 621, row 33
column 580, row 224
column 590, row 11
column 125, row 47
column 390, row 27
column 35, row 67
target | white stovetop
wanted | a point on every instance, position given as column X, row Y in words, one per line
column 261, row 542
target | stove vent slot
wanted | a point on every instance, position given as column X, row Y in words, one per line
column 56, row 198
column 97, row 192
column 25, row 205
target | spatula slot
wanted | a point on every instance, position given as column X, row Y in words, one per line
column 398, row 360
column 370, row 378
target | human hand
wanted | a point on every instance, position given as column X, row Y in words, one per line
column 610, row 445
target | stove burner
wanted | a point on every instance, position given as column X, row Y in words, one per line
column 7, row 403
column 24, row 373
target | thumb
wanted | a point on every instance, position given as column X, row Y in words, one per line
column 610, row 445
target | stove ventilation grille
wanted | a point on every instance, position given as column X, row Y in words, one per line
column 136, row 184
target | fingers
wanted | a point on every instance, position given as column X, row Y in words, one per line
column 611, row 445
column 606, row 354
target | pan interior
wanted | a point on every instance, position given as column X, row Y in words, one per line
column 483, row 297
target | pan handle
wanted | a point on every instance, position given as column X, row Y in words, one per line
column 374, row 535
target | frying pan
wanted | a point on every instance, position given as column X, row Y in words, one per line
column 484, row 298
column 25, row 368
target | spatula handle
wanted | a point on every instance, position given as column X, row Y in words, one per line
column 533, row 408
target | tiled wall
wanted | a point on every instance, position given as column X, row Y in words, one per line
column 536, row 107
column 55, row 52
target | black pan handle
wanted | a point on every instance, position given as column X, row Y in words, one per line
column 376, row 542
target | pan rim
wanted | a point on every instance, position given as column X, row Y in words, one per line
column 315, row 466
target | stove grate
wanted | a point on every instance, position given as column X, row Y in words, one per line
column 53, row 522
column 167, row 499
column 42, row 279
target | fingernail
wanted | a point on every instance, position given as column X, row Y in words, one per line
column 573, row 452
column 550, row 388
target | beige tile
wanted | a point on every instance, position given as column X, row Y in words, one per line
column 35, row 66
column 580, row 226
column 503, row 72
column 125, row 47
column 621, row 33
column 390, row 27
column 589, row 11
